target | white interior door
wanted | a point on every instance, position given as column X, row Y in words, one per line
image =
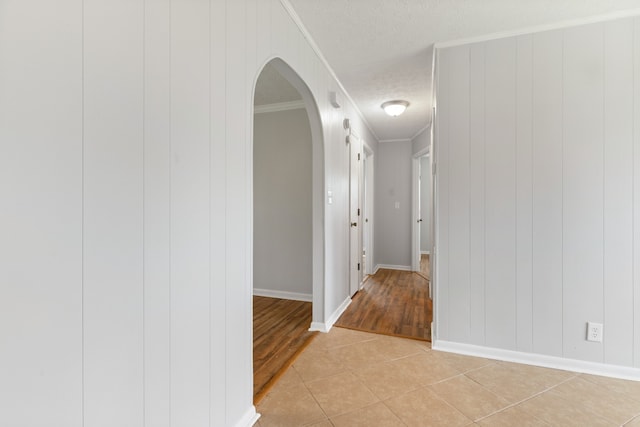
column 355, row 239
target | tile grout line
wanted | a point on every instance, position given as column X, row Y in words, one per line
column 526, row 399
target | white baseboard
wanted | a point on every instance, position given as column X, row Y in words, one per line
column 326, row 326
column 318, row 327
column 393, row 267
column 295, row 296
column 425, row 252
column 249, row 418
column 545, row 361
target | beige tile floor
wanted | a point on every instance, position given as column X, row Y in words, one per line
column 349, row 378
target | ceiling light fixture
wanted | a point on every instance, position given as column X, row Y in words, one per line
column 395, row 108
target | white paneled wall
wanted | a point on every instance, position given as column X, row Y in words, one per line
column 538, row 165
column 113, row 204
column 125, row 216
column 41, row 173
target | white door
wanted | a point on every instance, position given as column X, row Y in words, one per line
column 354, row 215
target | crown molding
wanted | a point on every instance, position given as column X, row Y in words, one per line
column 540, row 28
column 305, row 33
column 420, row 131
column 280, row 106
column 384, row 141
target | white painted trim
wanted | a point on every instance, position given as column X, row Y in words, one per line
column 294, row 296
column 382, row 141
column 326, row 326
column 249, row 418
column 393, row 267
column 369, row 210
column 305, row 33
column 425, row 252
column 415, row 207
column 545, row 361
column 280, row 106
column 318, row 327
column 540, row 28
column 420, row 131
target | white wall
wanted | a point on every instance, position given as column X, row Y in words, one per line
column 421, row 141
column 393, row 185
column 282, row 204
column 425, row 204
column 538, row 152
column 125, row 138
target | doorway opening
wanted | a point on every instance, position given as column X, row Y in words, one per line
column 422, row 232
column 288, row 221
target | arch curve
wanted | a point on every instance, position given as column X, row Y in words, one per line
column 317, row 184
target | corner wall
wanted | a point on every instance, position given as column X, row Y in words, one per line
column 538, row 193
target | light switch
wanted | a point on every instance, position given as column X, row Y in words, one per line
column 397, row 205
column 330, row 197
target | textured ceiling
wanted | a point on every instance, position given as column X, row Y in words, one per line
column 272, row 88
column 382, row 49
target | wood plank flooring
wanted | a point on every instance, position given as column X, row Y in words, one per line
column 280, row 333
column 392, row 302
column 425, row 266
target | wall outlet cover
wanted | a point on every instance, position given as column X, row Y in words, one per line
column 594, row 331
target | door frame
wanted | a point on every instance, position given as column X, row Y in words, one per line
column 368, row 207
column 415, row 211
column 354, row 285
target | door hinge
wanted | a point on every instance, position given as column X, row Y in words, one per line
column 358, row 211
column 358, row 156
column 358, row 266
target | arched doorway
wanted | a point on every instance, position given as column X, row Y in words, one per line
column 288, row 206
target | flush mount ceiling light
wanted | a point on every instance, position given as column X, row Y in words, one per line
column 395, row 108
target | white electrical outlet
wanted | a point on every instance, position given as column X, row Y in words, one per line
column 594, row 331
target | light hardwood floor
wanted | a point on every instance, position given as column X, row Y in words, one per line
column 391, row 302
column 425, row 266
column 280, row 333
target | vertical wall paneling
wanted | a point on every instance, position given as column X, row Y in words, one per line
column 524, row 191
column 113, row 213
column 476, row 191
column 552, row 166
column 582, row 184
column 618, row 181
column 127, row 184
column 218, row 213
column 251, row 50
column 547, row 193
column 157, row 218
column 284, row 34
column 307, row 64
column 500, row 238
column 238, row 326
column 190, row 269
column 41, row 213
column 442, row 204
column 263, row 27
column 459, row 193
column 636, row 192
